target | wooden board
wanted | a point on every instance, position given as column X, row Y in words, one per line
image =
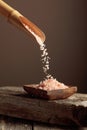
column 15, row 102
column 10, row 123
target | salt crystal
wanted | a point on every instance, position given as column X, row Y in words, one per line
column 45, row 60
column 51, row 84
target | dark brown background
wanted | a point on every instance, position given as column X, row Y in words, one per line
column 65, row 25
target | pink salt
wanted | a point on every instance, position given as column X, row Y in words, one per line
column 51, row 84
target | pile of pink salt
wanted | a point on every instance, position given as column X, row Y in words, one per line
column 51, row 84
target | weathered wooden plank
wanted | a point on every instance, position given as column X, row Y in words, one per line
column 44, row 127
column 7, row 123
column 16, row 103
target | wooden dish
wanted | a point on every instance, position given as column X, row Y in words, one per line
column 36, row 92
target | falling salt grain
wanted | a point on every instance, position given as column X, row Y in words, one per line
column 45, row 60
column 44, row 56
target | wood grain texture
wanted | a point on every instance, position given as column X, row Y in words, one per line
column 15, row 102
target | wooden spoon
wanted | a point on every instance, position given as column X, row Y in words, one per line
column 17, row 19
